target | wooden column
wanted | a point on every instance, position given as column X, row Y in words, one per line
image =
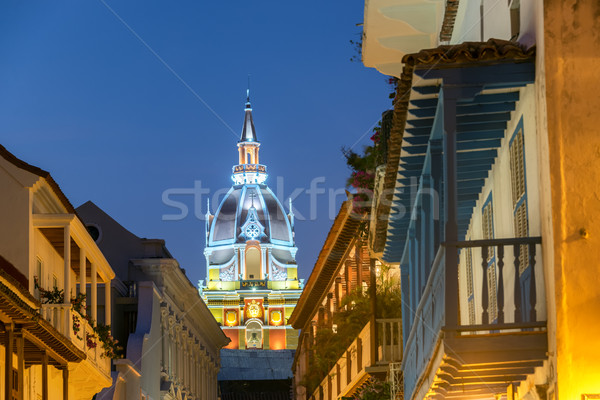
column 67, row 276
column 358, row 262
column 484, row 286
column 67, row 265
column 338, row 292
column 94, row 293
column 20, row 362
column 348, row 366
column 45, row 375
column 414, row 279
column 8, row 360
column 348, row 277
column 306, row 347
column 321, row 317
column 373, row 298
column 107, row 303
column 65, row 376
column 437, row 186
column 407, row 312
column 532, row 287
column 329, row 307
column 83, row 278
column 451, row 204
column 500, row 284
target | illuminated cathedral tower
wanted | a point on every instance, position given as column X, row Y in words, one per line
column 252, row 283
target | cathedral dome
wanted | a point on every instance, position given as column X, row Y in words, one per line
column 250, row 212
column 251, row 271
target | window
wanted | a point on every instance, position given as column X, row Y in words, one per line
column 39, row 268
column 515, row 19
column 253, row 266
column 254, row 335
column 487, row 222
column 130, row 321
column 94, row 231
column 519, row 195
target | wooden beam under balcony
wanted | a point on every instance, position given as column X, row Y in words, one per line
column 481, row 366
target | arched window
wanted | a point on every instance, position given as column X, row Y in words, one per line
column 248, row 158
column 253, row 335
column 253, row 267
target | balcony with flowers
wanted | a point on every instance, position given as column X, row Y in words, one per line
column 68, row 272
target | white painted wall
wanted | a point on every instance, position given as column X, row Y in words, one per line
column 496, row 21
column 52, row 263
column 149, row 323
column 14, row 214
column 499, row 184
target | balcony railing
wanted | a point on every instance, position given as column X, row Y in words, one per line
column 503, row 325
column 389, row 341
column 61, row 317
column 241, row 168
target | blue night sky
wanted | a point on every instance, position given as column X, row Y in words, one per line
column 83, row 98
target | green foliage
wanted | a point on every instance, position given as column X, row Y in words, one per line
column 352, row 317
column 101, row 332
column 362, row 177
column 110, row 345
column 374, row 390
column 54, row 296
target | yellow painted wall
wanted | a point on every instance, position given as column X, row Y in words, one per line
column 288, row 311
column 291, row 338
column 218, row 314
column 572, row 60
column 265, row 339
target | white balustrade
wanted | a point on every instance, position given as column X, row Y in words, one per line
column 61, row 316
column 389, row 343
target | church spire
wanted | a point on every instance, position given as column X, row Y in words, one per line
column 248, row 132
column 249, row 169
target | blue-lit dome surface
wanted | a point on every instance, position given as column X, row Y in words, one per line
column 226, row 225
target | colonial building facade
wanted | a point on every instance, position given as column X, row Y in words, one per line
column 171, row 341
column 343, row 274
column 252, row 284
column 490, row 196
column 50, row 348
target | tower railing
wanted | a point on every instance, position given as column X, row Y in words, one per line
column 241, row 168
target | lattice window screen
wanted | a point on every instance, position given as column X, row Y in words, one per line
column 488, row 233
column 517, row 173
column 521, row 230
column 517, row 168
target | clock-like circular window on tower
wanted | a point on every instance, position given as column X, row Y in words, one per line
column 94, row 231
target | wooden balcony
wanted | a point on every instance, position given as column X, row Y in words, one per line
column 357, row 364
column 450, row 354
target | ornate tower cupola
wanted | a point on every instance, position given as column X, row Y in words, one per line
column 252, row 283
column 248, row 170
